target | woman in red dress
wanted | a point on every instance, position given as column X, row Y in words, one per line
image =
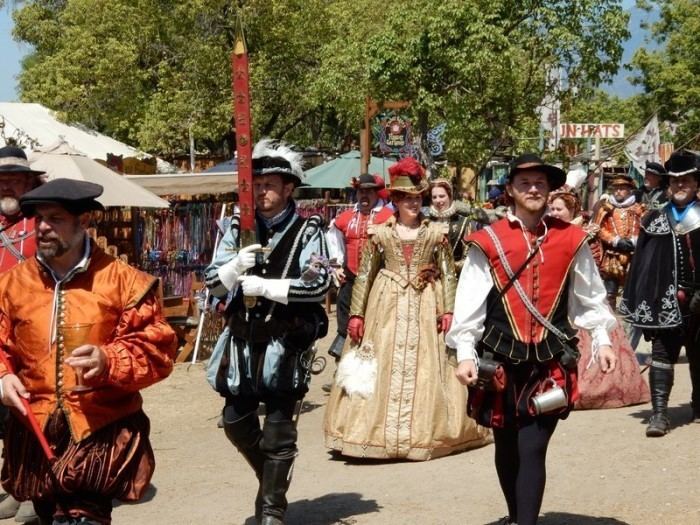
column 624, row 386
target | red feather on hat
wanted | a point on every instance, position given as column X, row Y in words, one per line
column 408, row 167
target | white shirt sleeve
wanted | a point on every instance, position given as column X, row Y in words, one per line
column 335, row 240
column 475, row 283
column 588, row 304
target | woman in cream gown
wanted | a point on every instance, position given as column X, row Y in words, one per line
column 396, row 395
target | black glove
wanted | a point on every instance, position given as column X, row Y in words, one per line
column 694, row 304
column 625, row 245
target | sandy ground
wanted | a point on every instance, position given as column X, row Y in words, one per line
column 602, row 470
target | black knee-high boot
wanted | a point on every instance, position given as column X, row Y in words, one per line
column 279, row 447
column 660, row 384
column 694, row 362
column 245, row 434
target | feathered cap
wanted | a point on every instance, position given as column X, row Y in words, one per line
column 274, row 158
column 408, row 176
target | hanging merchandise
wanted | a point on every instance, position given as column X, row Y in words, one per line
column 177, row 243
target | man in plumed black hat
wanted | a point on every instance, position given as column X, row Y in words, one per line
column 662, row 294
column 81, row 333
column 273, row 317
column 17, row 242
column 652, row 194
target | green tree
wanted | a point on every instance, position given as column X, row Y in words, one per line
column 670, row 74
column 152, row 71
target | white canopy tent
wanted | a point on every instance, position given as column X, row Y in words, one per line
column 33, row 126
column 61, row 161
column 187, row 183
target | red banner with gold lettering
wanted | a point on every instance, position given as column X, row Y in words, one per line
column 244, row 140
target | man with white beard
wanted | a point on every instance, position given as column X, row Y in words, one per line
column 17, row 242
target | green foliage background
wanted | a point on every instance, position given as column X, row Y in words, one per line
column 148, row 71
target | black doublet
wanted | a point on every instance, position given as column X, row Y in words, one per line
column 665, row 262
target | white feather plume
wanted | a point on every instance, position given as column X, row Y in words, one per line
column 268, row 147
column 357, row 371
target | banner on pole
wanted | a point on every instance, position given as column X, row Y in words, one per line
column 644, row 146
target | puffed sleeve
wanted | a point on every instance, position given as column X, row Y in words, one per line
column 225, row 252
column 587, row 302
column 314, row 281
column 448, row 274
column 142, row 350
column 6, row 343
column 475, row 283
column 370, row 263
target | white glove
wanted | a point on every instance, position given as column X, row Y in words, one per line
column 272, row 289
column 243, row 261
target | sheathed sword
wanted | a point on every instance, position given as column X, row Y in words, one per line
column 244, row 141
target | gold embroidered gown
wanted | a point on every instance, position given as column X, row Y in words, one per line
column 418, row 407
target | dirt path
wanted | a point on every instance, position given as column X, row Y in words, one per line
column 602, row 470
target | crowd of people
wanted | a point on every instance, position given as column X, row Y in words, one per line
column 457, row 327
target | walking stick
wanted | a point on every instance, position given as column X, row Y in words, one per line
column 31, row 418
column 205, row 305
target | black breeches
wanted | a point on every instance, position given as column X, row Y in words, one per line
column 666, row 347
column 520, row 455
column 276, row 408
column 666, row 344
column 342, row 303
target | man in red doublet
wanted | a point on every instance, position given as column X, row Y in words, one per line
column 529, row 280
column 346, row 239
column 17, row 243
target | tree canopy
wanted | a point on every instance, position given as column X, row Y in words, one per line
column 152, row 71
column 670, row 74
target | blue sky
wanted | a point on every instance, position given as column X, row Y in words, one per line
column 11, row 53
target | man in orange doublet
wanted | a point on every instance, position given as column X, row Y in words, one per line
column 85, row 396
column 619, row 218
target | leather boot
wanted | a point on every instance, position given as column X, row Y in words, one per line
column 694, row 365
column 246, row 435
column 336, row 349
column 8, row 506
column 279, row 447
column 660, row 384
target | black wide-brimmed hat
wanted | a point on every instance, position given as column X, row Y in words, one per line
column 14, row 160
column 76, row 196
column 683, row 162
column 655, row 168
column 366, row 181
column 531, row 162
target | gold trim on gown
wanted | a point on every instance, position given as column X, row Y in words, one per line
column 418, row 409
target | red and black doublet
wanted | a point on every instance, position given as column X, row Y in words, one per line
column 511, row 330
column 353, row 224
column 529, row 352
column 17, row 241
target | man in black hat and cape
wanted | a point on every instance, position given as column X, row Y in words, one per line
column 652, row 194
column 525, row 277
column 662, row 294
